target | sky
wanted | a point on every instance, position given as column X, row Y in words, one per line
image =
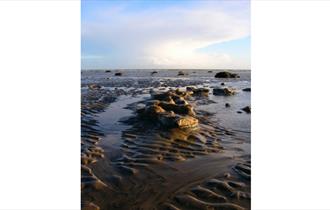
column 155, row 34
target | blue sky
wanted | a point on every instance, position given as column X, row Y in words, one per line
column 165, row 34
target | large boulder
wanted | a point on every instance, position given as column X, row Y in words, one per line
column 224, row 91
column 226, row 74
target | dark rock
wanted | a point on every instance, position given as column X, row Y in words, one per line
column 225, row 74
column 107, row 71
column 201, row 92
column 154, row 72
column 239, row 112
column 118, row 74
column 247, row 109
column 227, row 105
column 247, row 89
column 224, row 91
column 181, row 73
column 222, row 83
column 209, row 71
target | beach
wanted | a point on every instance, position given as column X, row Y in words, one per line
column 165, row 139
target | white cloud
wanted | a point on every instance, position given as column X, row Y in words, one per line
column 167, row 38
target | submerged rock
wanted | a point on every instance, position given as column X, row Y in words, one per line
column 247, row 89
column 154, row 72
column 224, row 91
column 107, row 71
column 225, row 74
column 227, row 105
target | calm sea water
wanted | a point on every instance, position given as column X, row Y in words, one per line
column 100, row 76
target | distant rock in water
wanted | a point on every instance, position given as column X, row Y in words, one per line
column 222, row 83
column 224, row 91
column 154, row 72
column 247, row 109
column 225, row 74
column 209, row 71
column 94, row 86
column 107, row 71
column 227, row 105
column 181, row 73
column 247, row 89
column 118, row 74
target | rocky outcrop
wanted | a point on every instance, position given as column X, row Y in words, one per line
column 170, row 109
column 226, row 74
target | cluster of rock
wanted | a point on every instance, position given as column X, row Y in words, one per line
column 171, row 109
column 225, row 74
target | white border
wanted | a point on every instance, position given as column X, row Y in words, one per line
column 39, row 108
column 291, row 106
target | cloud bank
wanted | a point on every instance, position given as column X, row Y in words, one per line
column 168, row 37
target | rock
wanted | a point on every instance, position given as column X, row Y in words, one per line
column 186, row 122
column 227, row 105
column 107, row 71
column 94, row 86
column 225, row 74
column 201, row 92
column 247, row 109
column 247, row 89
column 222, row 83
column 190, row 88
column 151, row 111
column 178, row 109
column 154, row 72
column 224, row 91
column 239, row 112
column 181, row 73
column 118, row 74
column 209, row 71
column 89, row 206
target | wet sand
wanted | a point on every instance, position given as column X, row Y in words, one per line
column 134, row 161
